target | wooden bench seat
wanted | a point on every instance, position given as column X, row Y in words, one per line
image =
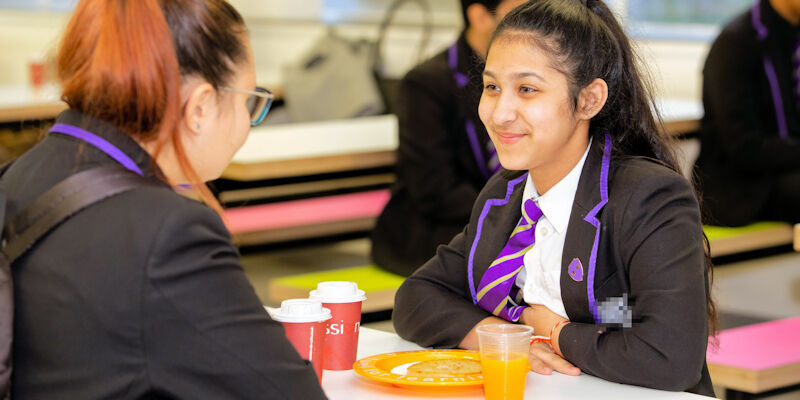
column 757, row 358
column 379, row 285
column 760, row 235
column 302, row 219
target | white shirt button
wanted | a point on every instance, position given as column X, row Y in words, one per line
column 545, row 231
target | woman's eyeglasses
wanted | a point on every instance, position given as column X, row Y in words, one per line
column 258, row 103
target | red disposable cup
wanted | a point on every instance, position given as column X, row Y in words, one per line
column 341, row 342
column 36, row 71
column 305, row 322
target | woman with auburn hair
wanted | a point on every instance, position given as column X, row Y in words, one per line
column 142, row 295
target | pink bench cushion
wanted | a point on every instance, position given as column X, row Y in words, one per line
column 760, row 346
column 306, row 212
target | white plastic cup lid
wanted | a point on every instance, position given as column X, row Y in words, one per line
column 36, row 57
column 301, row 310
column 337, row 292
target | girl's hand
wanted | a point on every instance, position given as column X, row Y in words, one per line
column 544, row 361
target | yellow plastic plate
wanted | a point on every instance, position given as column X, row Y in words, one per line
column 392, row 368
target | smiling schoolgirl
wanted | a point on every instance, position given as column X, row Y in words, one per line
column 589, row 234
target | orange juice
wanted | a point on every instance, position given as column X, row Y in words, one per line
column 504, row 379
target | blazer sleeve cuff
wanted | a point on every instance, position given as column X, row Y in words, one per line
column 443, row 325
column 576, row 341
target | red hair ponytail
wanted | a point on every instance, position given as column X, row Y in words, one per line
column 118, row 62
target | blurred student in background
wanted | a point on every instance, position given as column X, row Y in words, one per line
column 445, row 155
column 749, row 162
column 142, row 295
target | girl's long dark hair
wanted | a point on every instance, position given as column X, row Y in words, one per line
column 586, row 42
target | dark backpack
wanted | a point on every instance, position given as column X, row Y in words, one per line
column 21, row 232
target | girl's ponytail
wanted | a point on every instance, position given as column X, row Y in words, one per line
column 123, row 61
column 117, row 63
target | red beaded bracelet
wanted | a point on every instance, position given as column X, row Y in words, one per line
column 553, row 329
column 538, row 339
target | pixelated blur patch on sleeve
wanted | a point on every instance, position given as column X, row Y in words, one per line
column 616, row 311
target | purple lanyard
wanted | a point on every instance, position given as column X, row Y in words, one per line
column 769, row 69
column 472, row 134
column 103, row 145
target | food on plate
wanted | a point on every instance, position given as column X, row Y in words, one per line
column 448, row 366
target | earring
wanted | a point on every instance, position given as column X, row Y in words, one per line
column 197, row 127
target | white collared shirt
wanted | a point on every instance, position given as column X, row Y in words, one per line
column 540, row 280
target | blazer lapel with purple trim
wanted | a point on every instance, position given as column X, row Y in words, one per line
column 500, row 219
column 580, row 238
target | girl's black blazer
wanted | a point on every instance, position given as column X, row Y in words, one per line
column 649, row 250
column 139, row 296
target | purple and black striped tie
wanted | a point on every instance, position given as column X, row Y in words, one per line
column 497, row 292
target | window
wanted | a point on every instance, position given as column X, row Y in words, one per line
column 649, row 19
column 38, row 5
column 657, row 19
column 445, row 12
column 714, row 12
column 680, row 19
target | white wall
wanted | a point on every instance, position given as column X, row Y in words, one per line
column 283, row 30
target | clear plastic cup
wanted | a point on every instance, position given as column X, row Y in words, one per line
column 341, row 343
column 504, row 359
column 305, row 321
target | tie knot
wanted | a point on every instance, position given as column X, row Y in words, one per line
column 531, row 211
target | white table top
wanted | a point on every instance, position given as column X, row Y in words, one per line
column 347, row 385
column 274, row 151
column 679, row 109
column 275, row 142
column 319, row 139
column 22, row 102
column 25, row 95
column 370, row 134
